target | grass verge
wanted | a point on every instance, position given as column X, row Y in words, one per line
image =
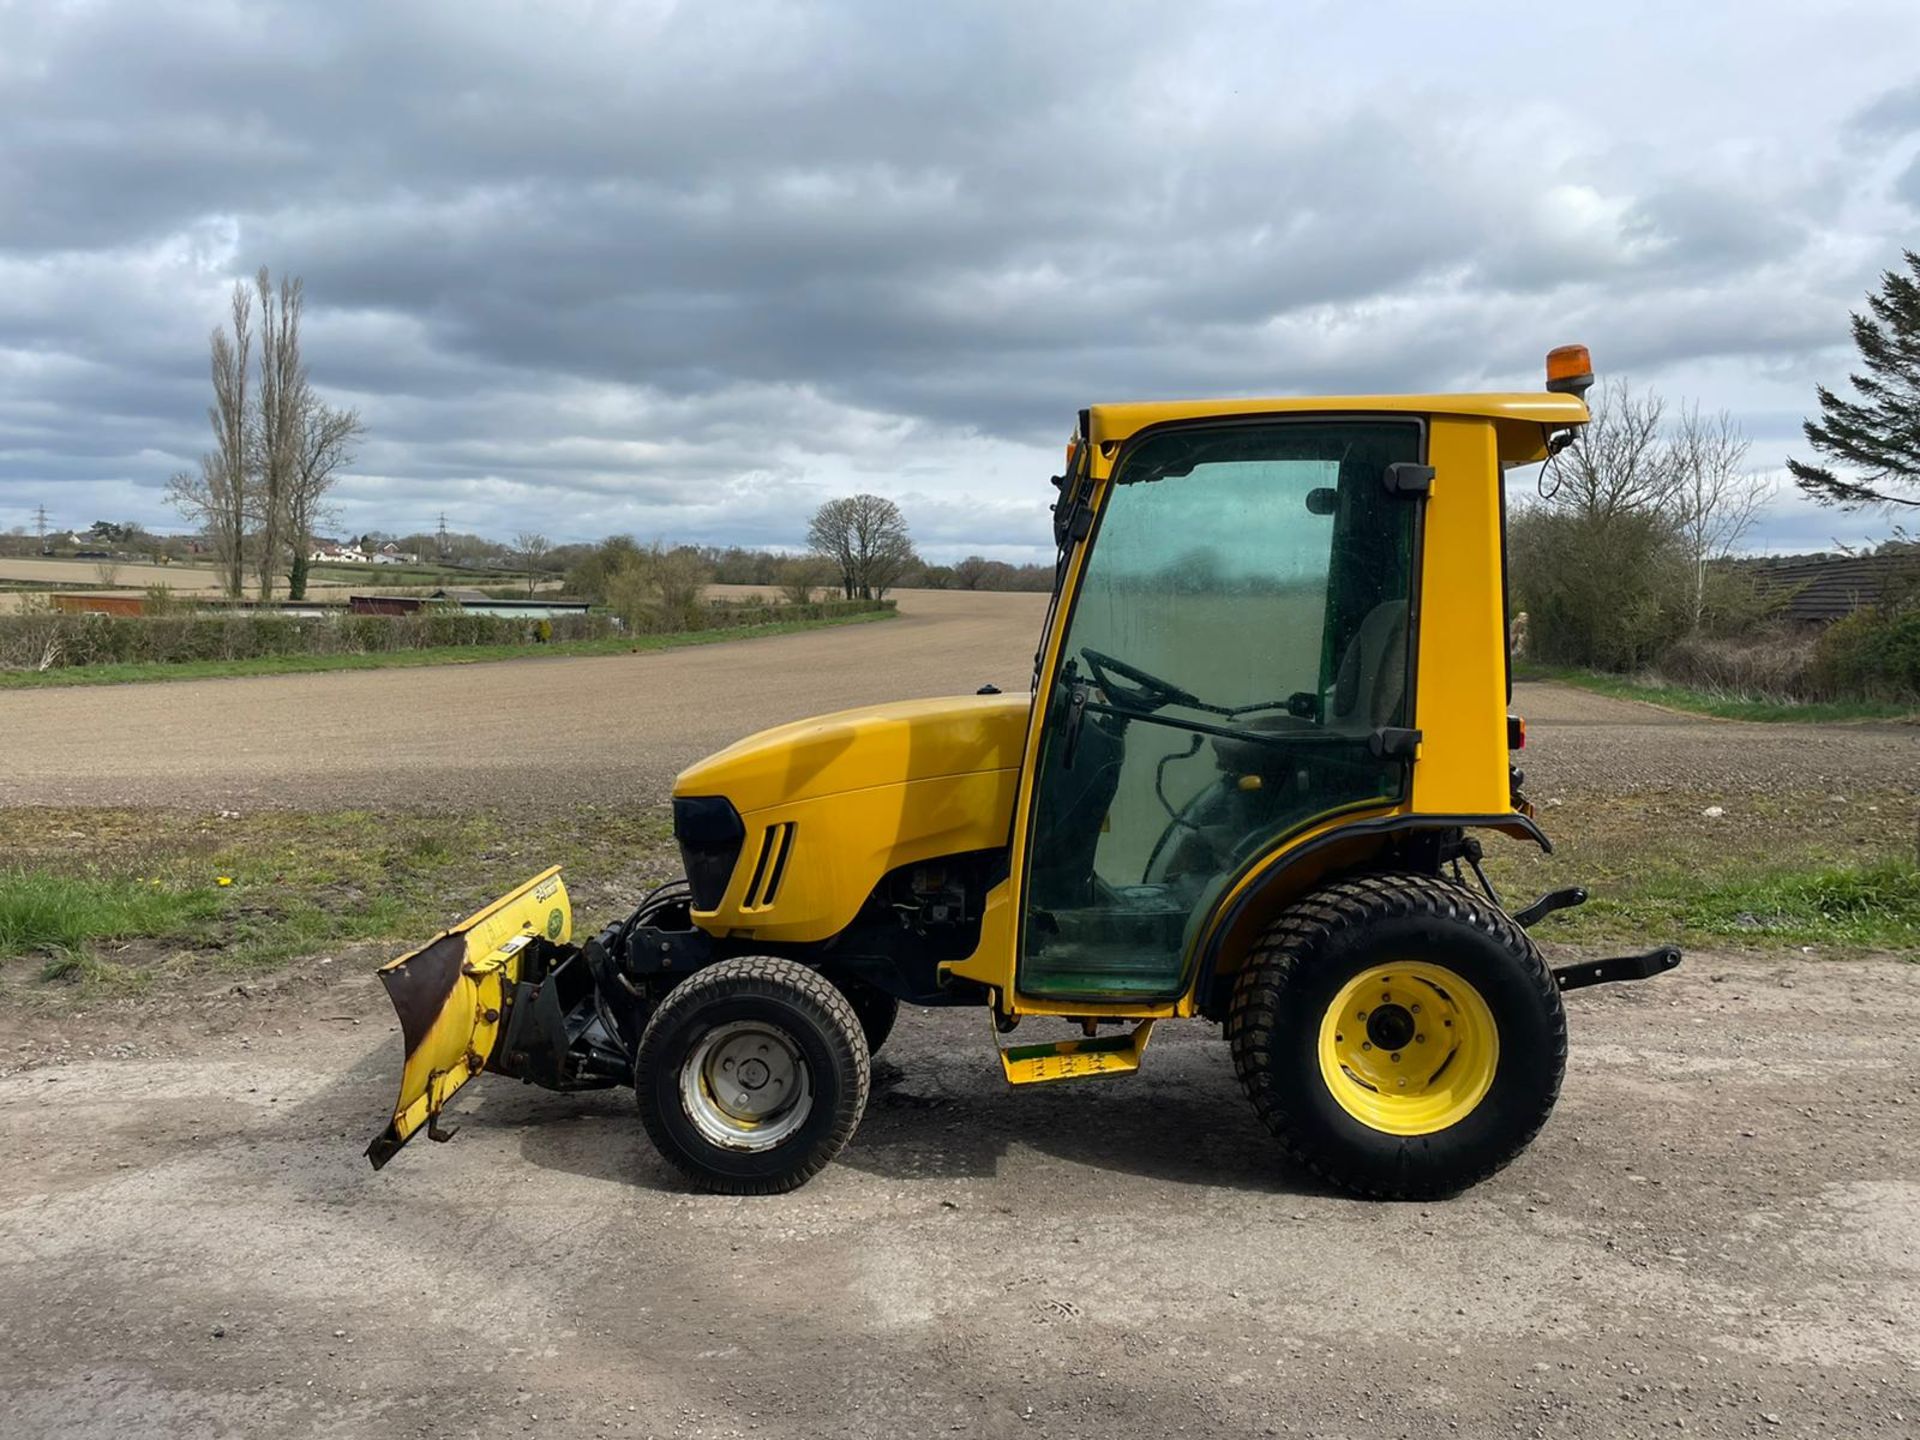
column 120, row 901
column 1725, row 707
column 1781, row 871
column 62, row 917
column 140, row 672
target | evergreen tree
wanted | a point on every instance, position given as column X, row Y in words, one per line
column 1877, row 437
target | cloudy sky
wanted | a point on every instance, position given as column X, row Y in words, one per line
column 685, row 270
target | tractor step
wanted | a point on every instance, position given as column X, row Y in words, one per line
column 1079, row 1059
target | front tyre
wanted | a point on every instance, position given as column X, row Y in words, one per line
column 752, row 1075
column 1399, row 1035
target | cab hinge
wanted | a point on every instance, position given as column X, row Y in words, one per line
column 1403, row 477
column 1391, row 743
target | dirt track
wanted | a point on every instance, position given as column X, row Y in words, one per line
column 553, row 733
column 1720, row 1227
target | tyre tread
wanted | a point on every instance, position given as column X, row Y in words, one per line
column 1302, row 931
column 771, row 978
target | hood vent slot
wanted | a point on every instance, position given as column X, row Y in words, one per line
column 776, row 844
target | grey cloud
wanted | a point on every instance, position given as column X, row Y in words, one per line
column 688, row 269
column 1893, row 112
column 1907, row 187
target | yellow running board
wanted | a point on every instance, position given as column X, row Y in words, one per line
column 1076, row 1059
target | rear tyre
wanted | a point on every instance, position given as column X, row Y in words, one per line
column 752, row 1075
column 875, row 1007
column 1400, row 1036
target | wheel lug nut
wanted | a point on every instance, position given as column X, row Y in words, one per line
column 1419, row 1039
column 1395, row 1057
column 1415, row 1008
column 1359, row 1014
column 1366, row 1044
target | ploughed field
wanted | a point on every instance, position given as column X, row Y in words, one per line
column 554, row 734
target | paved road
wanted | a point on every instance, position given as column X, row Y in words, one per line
column 554, row 733
column 1719, row 1229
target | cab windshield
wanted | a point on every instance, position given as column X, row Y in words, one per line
column 1239, row 634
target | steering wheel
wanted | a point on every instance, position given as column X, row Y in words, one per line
column 1148, row 692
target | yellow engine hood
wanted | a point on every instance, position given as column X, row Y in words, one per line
column 855, row 749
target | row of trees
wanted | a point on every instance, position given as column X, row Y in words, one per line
column 1624, row 560
column 259, row 494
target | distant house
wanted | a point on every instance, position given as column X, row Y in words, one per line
column 1819, row 589
column 328, row 553
column 392, row 554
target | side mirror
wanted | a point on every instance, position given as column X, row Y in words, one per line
column 1323, row 500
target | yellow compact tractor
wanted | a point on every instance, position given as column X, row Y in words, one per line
column 1268, row 726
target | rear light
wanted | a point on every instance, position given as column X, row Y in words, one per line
column 1516, row 733
column 1570, row 370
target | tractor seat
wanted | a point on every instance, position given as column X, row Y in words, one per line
column 1367, row 691
column 1251, row 757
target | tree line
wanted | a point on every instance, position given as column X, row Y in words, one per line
column 1625, row 558
column 260, row 494
column 858, row 545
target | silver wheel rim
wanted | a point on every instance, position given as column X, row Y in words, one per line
column 745, row 1086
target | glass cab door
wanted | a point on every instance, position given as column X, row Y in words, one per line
column 1239, row 634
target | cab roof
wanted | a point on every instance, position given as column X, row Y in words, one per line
column 1110, row 423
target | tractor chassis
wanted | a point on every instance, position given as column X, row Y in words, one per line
column 573, row 1021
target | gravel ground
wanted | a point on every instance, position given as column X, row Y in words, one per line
column 1718, row 1233
column 557, row 733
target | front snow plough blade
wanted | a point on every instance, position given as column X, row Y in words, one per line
column 450, row 995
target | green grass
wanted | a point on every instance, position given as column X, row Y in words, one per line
column 1875, row 905
column 1725, row 707
column 117, row 901
column 1770, row 871
column 142, row 671
column 63, row 917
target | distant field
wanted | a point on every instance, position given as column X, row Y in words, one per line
column 84, row 577
column 85, row 574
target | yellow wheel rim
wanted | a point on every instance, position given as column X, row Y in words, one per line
column 1408, row 1049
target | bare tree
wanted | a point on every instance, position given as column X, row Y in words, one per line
column 656, row 590
column 1714, row 501
column 1622, row 464
column 865, row 538
column 531, row 546
column 218, row 497
column 327, row 438
column 972, row 572
column 800, row 576
column 283, row 399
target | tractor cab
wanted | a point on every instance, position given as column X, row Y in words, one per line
column 1267, row 725
column 1235, row 662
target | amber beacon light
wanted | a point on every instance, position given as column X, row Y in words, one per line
column 1570, row 370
